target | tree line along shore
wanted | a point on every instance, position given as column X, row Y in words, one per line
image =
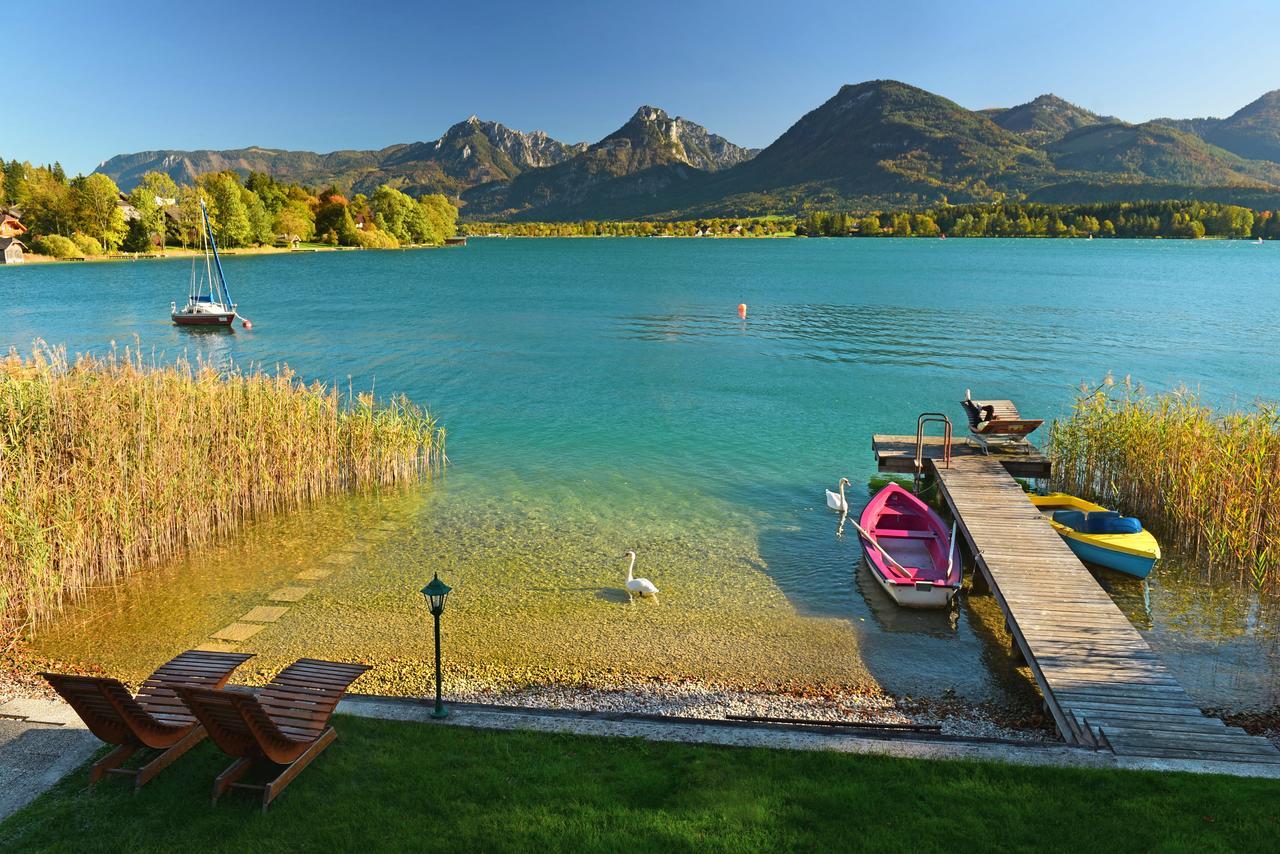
column 88, row 215
column 1168, row 219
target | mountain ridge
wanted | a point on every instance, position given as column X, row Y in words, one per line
column 1046, row 118
column 876, row 144
column 469, row 152
column 622, row 173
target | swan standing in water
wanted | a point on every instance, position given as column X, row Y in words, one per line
column 638, row 586
column 838, row 502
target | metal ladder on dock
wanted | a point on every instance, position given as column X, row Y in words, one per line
column 931, row 418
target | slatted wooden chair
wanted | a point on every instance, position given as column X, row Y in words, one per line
column 997, row 424
column 285, row 723
column 156, row 718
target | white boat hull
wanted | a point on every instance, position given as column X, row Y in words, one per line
column 921, row 595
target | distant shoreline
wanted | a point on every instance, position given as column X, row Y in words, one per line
column 178, row 253
column 172, row 254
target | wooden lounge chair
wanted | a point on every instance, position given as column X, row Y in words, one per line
column 154, row 719
column 997, row 423
column 285, row 724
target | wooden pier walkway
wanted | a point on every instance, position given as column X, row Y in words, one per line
column 1102, row 683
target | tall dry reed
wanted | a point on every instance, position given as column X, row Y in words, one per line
column 109, row 464
column 1207, row 480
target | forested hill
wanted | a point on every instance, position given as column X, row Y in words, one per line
column 873, row 145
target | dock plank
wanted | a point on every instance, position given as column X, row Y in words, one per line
column 1101, row 681
column 897, row 454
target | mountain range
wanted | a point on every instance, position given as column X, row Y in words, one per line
column 877, row 144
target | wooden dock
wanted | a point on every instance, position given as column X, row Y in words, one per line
column 1101, row 682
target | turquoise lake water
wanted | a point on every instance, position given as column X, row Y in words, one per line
column 608, row 385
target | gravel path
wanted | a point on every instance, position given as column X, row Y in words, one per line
column 696, row 700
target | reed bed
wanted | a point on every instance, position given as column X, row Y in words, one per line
column 108, row 464
column 1205, row 480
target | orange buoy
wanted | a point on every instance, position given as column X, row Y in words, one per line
column 246, row 323
column 742, row 309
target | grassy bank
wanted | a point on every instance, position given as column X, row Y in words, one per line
column 394, row 786
column 1205, row 480
column 109, row 464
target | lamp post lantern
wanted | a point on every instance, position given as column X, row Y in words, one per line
column 436, row 592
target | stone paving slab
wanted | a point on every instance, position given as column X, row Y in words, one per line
column 238, row 632
column 265, row 614
column 40, row 712
column 313, row 574
column 217, row 646
column 338, row 559
column 33, row 756
column 289, row 594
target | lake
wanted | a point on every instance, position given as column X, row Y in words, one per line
column 602, row 394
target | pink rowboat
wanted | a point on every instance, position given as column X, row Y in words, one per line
column 911, row 552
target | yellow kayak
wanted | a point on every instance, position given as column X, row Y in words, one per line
column 1099, row 535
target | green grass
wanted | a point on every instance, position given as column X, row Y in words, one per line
column 390, row 786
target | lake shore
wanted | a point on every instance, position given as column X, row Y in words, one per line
column 171, row 254
column 676, row 696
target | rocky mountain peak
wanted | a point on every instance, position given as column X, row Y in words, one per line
column 665, row 139
column 650, row 114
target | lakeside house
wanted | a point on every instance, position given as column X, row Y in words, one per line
column 11, row 248
column 289, row 241
column 10, row 226
column 129, row 212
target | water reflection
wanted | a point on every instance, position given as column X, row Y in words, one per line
column 1220, row 638
column 893, row 618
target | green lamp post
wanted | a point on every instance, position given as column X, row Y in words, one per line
column 436, row 592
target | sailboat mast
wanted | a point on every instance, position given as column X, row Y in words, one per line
column 225, row 292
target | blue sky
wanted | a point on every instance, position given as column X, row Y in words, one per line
column 102, row 79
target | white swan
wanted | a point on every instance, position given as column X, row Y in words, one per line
column 838, row 502
column 638, row 586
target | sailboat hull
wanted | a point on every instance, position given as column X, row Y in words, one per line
column 182, row 319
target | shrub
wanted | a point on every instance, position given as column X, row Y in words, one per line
column 55, row 246
column 86, row 244
column 375, row 238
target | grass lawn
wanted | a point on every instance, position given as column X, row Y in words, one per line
column 404, row 786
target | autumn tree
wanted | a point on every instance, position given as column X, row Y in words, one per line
column 227, row 212
column 150, row 199
column 96, row 201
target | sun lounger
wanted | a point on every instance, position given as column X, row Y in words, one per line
column 154, row 719
column 285, row 723
column 997, row 423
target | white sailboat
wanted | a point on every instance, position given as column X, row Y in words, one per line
column 208, row 299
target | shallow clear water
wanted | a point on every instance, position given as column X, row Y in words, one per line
column 603, row 395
